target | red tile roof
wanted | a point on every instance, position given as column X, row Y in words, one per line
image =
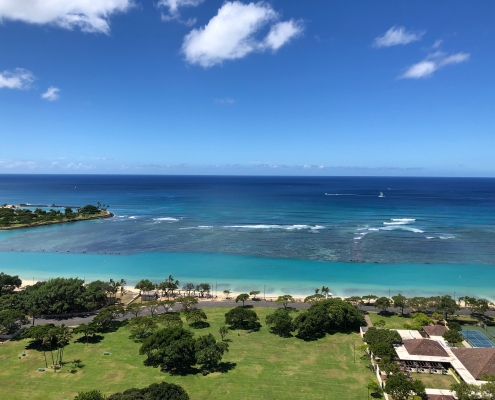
column 435, row 330
column 424, row 347
column 477, row 361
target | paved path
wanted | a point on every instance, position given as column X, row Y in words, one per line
column 202, row 304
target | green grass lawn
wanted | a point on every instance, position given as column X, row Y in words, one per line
column 435, row 381
column 392, row 321
column 267, row 367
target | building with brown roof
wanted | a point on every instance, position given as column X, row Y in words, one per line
column 434, row 330
column 477, row 361
column 425, row 347
column 440, row 397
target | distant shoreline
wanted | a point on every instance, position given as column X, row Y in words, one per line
column 46, row 223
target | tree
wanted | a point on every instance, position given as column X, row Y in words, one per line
column 152, row 307
column 419, row 304
column 141, row 327
column 189, row 287
column 170, row 320
column 281, row 323
column 419, row 320
column 187, row 302
column 382, row 303
column 223, row 331
column 254, row 293
column 399, row 387
column 325, row 290
column 374, row 387
column 447, row 305
column 86, row 330
column 242, row 297
column 134, row 309
column 198, row 318
column 367, row 298
column 12, row 320
column 8, row 283
column 285, row 300
column 209, row 352
column 167, row 305
column 89, row 209
column 388, row 365
column 203, row 288
column 354, row 300
column 400, row 301
column 454, row 326
column 90, row 395
column 170, row 348
column 453, row 337
column 313, row 299
column 156, row 391
column 107, row 315
column 380, row 323
column 242, row 318
column 227, row 293
column 144, row 285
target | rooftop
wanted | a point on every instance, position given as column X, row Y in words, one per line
column 477, row 361
column 425, row 347
column 435, row 330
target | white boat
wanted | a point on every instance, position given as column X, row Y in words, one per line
column 381, row 194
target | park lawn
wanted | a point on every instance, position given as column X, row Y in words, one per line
column 266, row 367
column 435, row 381
column 392, row 321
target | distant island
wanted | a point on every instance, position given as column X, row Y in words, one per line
column 20, row 216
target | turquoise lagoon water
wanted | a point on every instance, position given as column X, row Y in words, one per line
column 288, row 234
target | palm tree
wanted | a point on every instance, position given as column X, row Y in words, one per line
column 325, row 290
column 63, row 337
column 122, row 284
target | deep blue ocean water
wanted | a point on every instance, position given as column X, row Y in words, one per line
column 288, row 233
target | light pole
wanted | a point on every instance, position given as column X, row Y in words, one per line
column 264, row 297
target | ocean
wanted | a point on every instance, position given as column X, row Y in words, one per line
column 425, row 236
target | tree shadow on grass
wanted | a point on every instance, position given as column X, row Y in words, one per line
column 113, row 326
column 91, row 339
column 224, row 367
column 199, row 325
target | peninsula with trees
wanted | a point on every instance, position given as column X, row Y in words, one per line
column 22, row 216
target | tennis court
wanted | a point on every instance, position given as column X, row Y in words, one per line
column 477, row 339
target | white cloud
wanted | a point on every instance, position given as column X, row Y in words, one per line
column 17, row 79
column 88, row 15
column 231, row 34
column 395, row 36
column 437, row 43
column 79, row 166
column 173, row 9
column 282, row 32
column 51, row 94
column 433, row 63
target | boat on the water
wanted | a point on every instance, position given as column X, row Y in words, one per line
column 381, row 194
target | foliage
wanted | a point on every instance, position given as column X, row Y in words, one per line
column 242, row 318
column 141, row 327
column 12, row 320
column 281, row 323
column 89, row 209
column 254, row 293
column 156, row 391
column 399, row 387
column 203, row 288
column 454, row 326
column 313, row 299
column 285, row 300
column 169, row 320
column 382, row 303
column 380, row 323
column 134, row 309
column 223, row 331
column 90, row 395
column 107, row 315
column 447, row 305
column 187, row 302
column 227, row 293
column 144, row 285
column 355, row 300
column 152, row 307
column 400, row 301
column 419, row 320
column 327, row 316
column 8, row 283
column 197, row 318
column 209, row 352
column 381, row 341
column 453, row 337
column 374, row 387
column 86, row 330
column 242, row 297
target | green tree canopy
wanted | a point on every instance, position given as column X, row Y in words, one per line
column 209, row 352
column 12, row 320
column 8, row 283
column 447, row 305
column 242, row 297
column 399, row 387
column 400, row 301
column 242, row 318
column 285, row 300
column 197, row 318
column 382, row 303
column 141, row 327
column 453, row 337
column 156, row 391
column 281, row 323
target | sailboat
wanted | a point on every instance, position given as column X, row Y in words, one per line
column 381, row 194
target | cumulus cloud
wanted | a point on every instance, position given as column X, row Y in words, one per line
column 395, row 36
column 17, row 79
column 433, row 63
column 87, row 15
column 173, row 7
column 231, row 34
column 51, row 94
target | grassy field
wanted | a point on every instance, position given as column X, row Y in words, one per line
column 434, row 381
column 266, row 367
column 392, row 321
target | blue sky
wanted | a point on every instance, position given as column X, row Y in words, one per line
column 287, row 87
